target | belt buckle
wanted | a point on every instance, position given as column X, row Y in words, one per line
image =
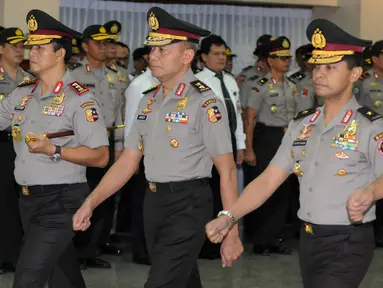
column 152, row 187
column 309, row 229
column 25, row 190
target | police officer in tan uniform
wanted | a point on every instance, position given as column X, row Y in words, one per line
column 182, row 128
column 273, row 101
column 51, row 171
column 337, row 152
column 104, row 83
column 303, row 79
column 11, row 74
column 259, row 70
column 114, row 28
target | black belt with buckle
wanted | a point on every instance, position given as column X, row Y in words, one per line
column 5, row 136
column 41, row 189
column 153, row 186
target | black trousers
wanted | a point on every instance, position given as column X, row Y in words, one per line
column 87, row 242
column 48, row 255
column 174, row 219
column 215, row 180
column 379, row 221
column 335, row 256
column 11, row 237
column 268, row 221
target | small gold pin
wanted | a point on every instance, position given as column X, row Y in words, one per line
column 174, row 143
column 152, row 187
column 168, row 128
column 19, row 118
column 341, row 172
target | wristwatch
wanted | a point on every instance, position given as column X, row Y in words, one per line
column 56, row 157
column 228, row 214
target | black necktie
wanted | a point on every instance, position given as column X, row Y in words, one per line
column 229, row 105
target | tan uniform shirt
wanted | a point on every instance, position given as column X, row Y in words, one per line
column 104, row 85
column 70, row 106
column 181, row 134
column 332, row 161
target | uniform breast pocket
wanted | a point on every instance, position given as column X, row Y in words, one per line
column 18, row 126
column 346, row 162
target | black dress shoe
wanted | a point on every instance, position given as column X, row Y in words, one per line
column 8, row 267
column 97, row 263
column 110, row 249
column 379, row 243
column 142, row 260
column 261, row 250
column 279, row 248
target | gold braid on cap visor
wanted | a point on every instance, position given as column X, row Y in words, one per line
column 159, row 39
column 281, row 53
column 15, row 39
column 40, row 39
column 328, row 57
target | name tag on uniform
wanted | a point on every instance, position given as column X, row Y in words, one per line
column 274, row 95
column 142, row 117
column 90, row 85
column 300, row 143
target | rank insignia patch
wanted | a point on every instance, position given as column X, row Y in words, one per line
column 213, row 114
column 91, row 115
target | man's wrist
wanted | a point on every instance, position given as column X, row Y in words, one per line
column 51, row 150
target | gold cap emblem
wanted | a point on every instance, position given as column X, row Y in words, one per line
column 153, row 22
column 32, row 24
column 19, row 32
column 318, row 40
column 74, row 42
column 114, row 29
column 102, row 29
column 285, row 44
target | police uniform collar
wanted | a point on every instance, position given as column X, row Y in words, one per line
column 181, row 88
column 331, row 43
column 343, row 118
column 166, row 29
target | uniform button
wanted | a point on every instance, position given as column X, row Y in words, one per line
column 310, row 189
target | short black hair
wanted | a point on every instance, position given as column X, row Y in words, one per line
column 210, row 41
column 140, row 52
column 65, row 44
column 354, row 61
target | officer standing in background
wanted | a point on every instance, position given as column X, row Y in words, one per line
column 336, row 151
column 229, row 60
column 224, row 86
column 133, row 193
column 141, row 60
column 104, row 84
column 51, row 172
column 11, row 74
column 182, row 126
column 273, row 101
column 303, row 79
column 114, row 28
column 371, row 95
column 76, row 52
column 123, row 53
column 260, row 69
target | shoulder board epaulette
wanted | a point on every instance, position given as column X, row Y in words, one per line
column 78, row 87
column 291, row 80
column 28, row 82
column 122, row 66
column 247, row 68
column 150, row 90
column 262, row 81
column 304, row 113
column 298, row 76
column 74, row 66
column 364, row 76
column 369, row 114
column 253, row 78
column 111, row 68
column 200, row 86
column 196, row 70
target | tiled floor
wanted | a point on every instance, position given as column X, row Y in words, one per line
column 250, row 272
